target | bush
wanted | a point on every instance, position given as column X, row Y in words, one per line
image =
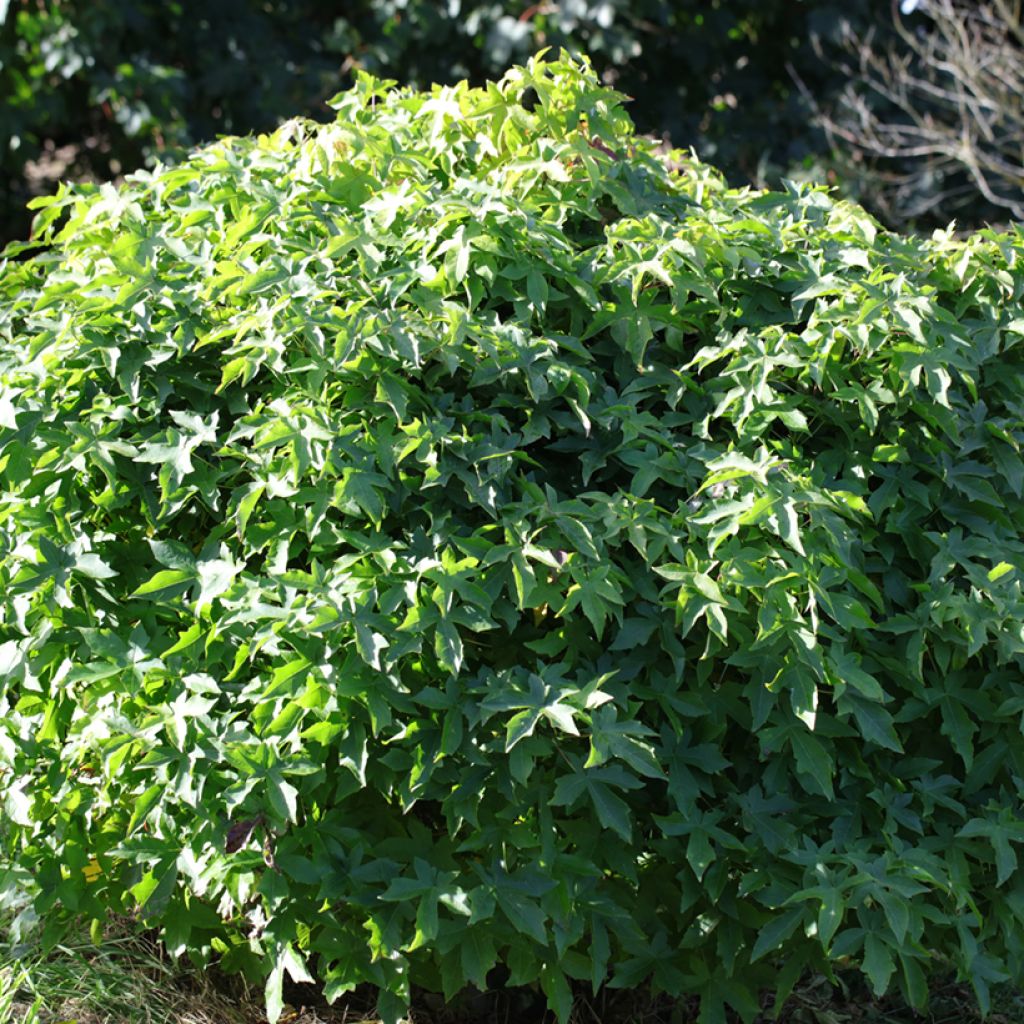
column 455, row 536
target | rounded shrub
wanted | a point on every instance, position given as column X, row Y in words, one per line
column 455, row 545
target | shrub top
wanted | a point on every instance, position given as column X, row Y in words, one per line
column 457, row 535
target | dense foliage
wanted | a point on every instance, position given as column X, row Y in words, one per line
column 94, row 89
column 454, row 536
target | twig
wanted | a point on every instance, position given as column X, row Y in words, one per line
column 942, row 102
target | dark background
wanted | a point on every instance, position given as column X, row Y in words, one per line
column 95, row 90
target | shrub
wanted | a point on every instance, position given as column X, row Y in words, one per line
column 455, row 536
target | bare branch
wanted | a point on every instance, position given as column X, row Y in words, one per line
column 937, row 115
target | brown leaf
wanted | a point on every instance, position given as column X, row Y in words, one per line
column 239, row 833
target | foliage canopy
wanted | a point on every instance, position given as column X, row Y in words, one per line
column 456, row 535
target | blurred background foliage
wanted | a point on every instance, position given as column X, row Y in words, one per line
column 93, row 90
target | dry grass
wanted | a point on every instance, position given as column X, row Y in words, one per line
column 128, row 979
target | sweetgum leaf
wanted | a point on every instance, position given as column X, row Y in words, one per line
column 878, row 963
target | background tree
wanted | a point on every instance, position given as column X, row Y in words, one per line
column 92, row 90
column 931, row 121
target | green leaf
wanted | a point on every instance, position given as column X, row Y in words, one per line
column 448, row 646
column 878, row 963
column 699, row 852
column 392, row 1008
column 612, row 810
column 559, row 994
column 478, row 956
column 813, row 760
column 177, row 580
column 537, row 290
column 283, row 797
column 520, row 726
column 850, row 672
column 525, row 915
column 173, row 555
column 145, row 803
column 215, row 576
column 247, row 503
column 600, row 952
column 875, row 723
column 830, row 917
column 94, row 567
column 185, row 640
column 775, row 932
column 274, row 992
column 957, row 725
column 997, row 572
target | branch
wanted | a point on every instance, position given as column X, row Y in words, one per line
column 936, row 116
